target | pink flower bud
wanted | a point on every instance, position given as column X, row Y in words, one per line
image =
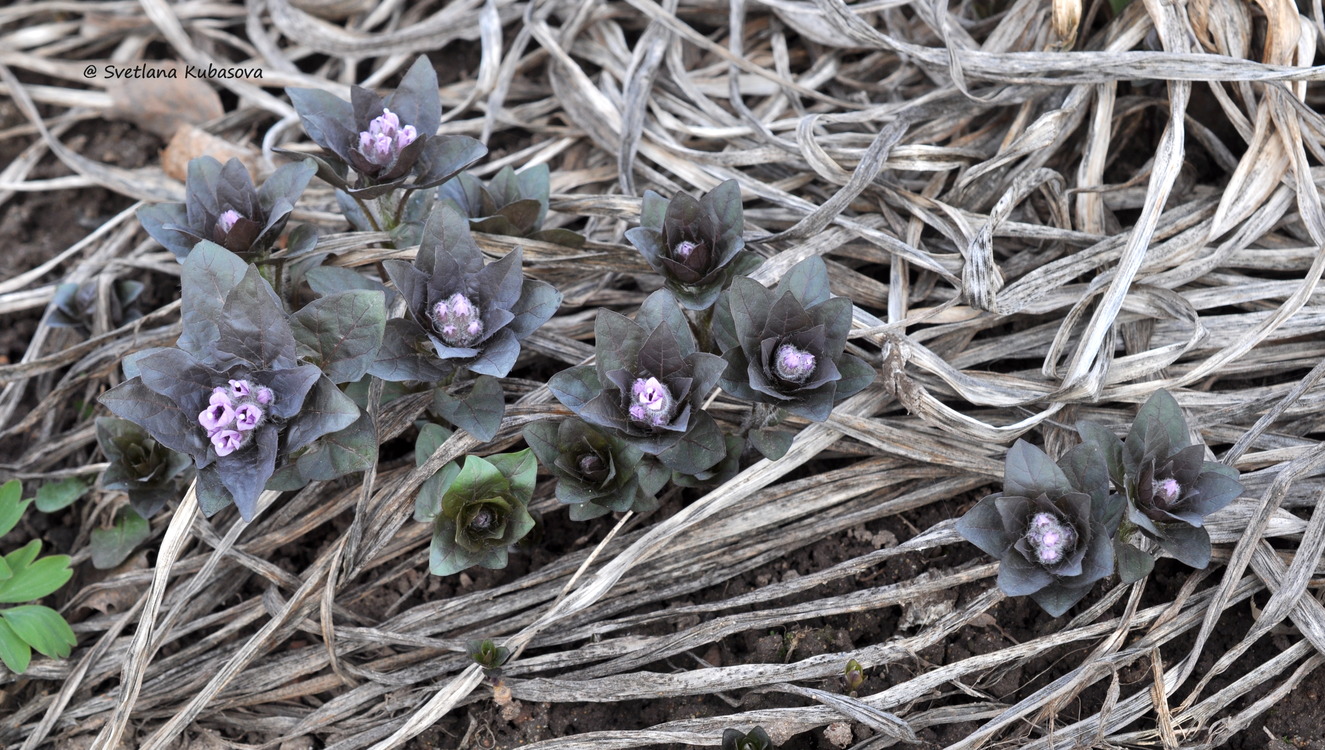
column 240, row 388
column 263, row 395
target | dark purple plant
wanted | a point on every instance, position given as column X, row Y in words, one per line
column 511, row 204
column 75, row 305
column 148, row 472
column 391, row 143
column 462, row 312
column 234, row 396
column 785, row 347
column 1050, row 537
column 695, row 245
column 222, row 206
column 1169, row 485
column 648, row 385
column 596, row 473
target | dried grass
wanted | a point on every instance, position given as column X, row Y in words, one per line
column 1065, row 229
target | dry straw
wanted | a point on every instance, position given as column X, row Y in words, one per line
column 1043, row 212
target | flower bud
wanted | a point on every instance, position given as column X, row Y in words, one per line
column 591, row 466
column 226, row 221
column 793, row 364
column 1167, row 492
column 457, row 321
column 1050, row 538
column 263, row 395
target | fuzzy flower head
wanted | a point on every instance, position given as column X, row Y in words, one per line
column 385, row 139
column 793, row 364
column 651, row 402
column 457, row 322
column 390, row 142
column 695, row 245
column 1050, row 539
column 225, row 223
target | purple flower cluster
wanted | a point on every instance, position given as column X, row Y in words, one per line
column 793, row 364
column 385, row 137
column 651, row 402
column 458, row 322
column 233, row 412
column 1050, row 538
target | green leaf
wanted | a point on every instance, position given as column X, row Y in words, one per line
column 6, row 572
column 428, row 503
column 112, row 546
column 1133, row 563
column 1029, row 472
column 1109, row 446
column 14, row 651
column 445, row 557
column 773, row 444
column 342, row 452
column 1191, row 546
column 36, row 580
column 42, row 628
column 477, row 478
column 57, row 496
column 519, row 469
column 699, row 448
column 478, row 412
column 431, row 437
column 12, row 505
column 23, row 556
column 342, row 332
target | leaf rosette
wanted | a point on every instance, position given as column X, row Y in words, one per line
column 1050, row 538
column 648, row 384
column 478, row 511
column 786, row 346
column 387, row 141
column 75, row 305
column 139, row 466
column 755, row 739
column 222, row 206
column 233, row 395
column 596, row 473
column 511, row 204
column 1170, row 487
column 462, row 312
column 695, row 245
